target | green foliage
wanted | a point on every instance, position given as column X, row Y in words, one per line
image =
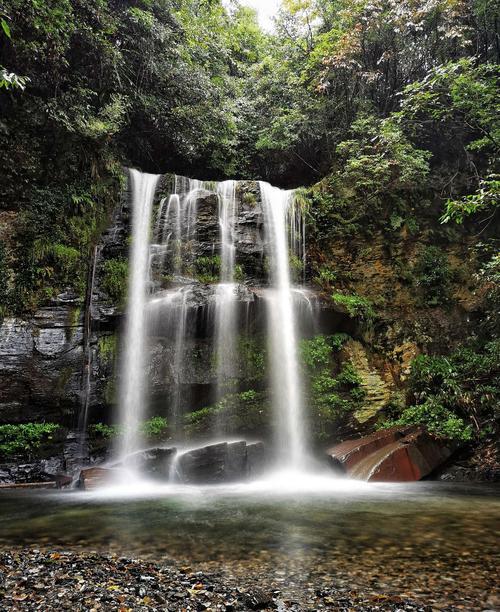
column 249, row 199
column 248, row 396
column 207, row 269
column 489, row 278
column 460, row 98
column 5, row 27
column 438, row 420
column 325, row 277
column 375, row 172
column 252, row 357
column 355, row 305
column 107, row 432
column 456, row 396
column 107, row 347
column 245, row 412
column 317, row 351
column 349, row 376
column 296, row 266
column 433, row 276
column 485, row 199
column 381, row 159
column 334, row 392
column 154, row 427
column 10, row 80
column 26, row 438
column 115, row 279
column 459, row 91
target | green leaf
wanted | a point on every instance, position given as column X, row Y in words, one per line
column 5, row 28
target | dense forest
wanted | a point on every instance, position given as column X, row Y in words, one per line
column 384, row 113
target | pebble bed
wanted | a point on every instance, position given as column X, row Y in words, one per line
column 31, row 579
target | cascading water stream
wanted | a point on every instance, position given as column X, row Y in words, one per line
column 132, row 399
column 287, row 392
column 225, row 296
column 165, row 267
column 173, row 309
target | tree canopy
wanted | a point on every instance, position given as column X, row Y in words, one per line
column 387, row 96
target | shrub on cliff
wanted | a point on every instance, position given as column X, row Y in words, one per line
column 26, row 438
column 457, row 396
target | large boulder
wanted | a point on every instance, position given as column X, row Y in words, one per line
column 156, row 462
column 223, row 462
column 350, row 452
column 393, row 455
column 95, row 478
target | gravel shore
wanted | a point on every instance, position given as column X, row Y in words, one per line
column 32, row 579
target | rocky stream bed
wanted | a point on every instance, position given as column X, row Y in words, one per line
column 425, row 546
column 42, row 580
column 34, row 579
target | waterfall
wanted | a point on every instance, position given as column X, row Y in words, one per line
column 170, row 310
column 132, row 399
column 225, row 297
column 83, row 451
column 175, row 223
column 174, row 303
column 287, row 395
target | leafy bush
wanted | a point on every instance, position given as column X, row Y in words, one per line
column 456, row 396
column 489, row 277
column 334, row 391
column 458, row 101
column 355, row 305
column 381, row 158
column 252, row 354
column 325, row 277
column 115, row 279
column 25, row 438
column 349, row 376
column 247, row 396
column 484, row 199
column 207, row 269
column 154, row 427
column 433, row 275
column 318, row 350
column 101, row 430
column 438, row 420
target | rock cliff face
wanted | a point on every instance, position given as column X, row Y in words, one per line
column 63, row 359
column 41, row 364
column 44, row 358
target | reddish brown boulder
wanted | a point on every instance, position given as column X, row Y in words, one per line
column 394, row 455
column 62, row 480
column 351, row 452
column 94, row 478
